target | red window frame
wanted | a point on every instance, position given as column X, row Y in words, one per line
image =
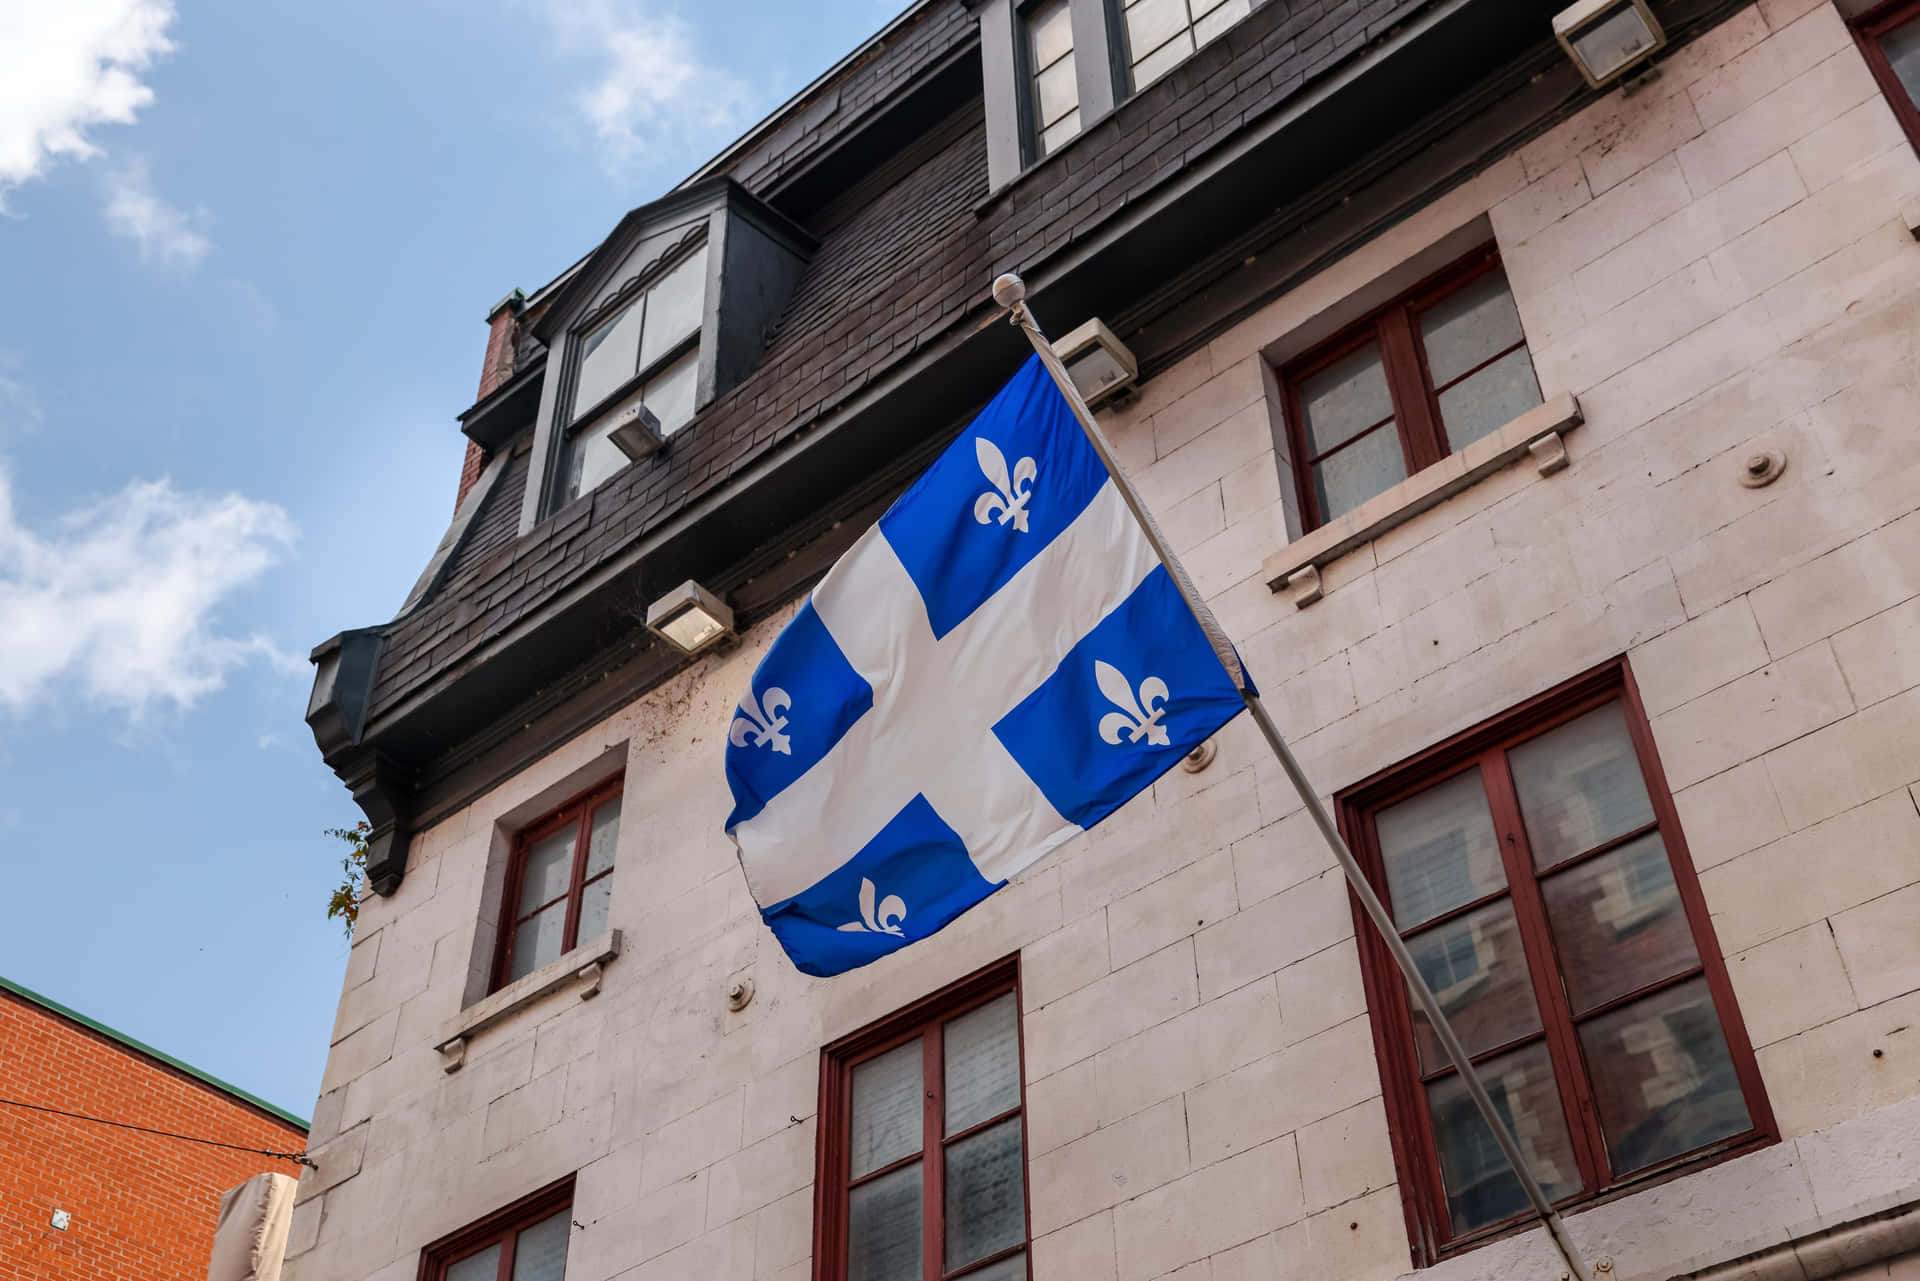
column 923, row 1019
column 1415, row 1150
column 1868, row 30
column 503, row 1225
column 1416, row 401
column 578, row 812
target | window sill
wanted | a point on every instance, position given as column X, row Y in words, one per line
column 583, row 963
column 1536, row 434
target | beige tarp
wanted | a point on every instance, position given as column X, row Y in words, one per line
column 251, row 1240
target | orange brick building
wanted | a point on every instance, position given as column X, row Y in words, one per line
column 133, row 1204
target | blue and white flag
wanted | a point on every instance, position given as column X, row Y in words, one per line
column 998, row 664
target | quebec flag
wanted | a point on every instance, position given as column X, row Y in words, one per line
column 1000, row 663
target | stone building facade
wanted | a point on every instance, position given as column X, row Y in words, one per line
column 1606, row 651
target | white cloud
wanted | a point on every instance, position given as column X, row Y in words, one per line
column 120, row 598
column 650, row 82
column 165, row 234
column 67, row 67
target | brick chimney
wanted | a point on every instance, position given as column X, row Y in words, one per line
column 503, row 324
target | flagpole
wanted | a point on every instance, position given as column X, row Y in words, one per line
column 1010, row 292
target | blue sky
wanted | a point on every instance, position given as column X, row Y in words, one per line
column 248, row 251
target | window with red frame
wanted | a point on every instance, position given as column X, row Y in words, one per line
column 1889, row 38
column 1423, row 377
column 1536, row 870
column 559, row 883
column 922, row 1168
column 526, row 1241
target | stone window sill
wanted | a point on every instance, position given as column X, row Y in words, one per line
column 583, row 965
column 1535, row 434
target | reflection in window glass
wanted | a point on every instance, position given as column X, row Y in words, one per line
column 1662, row 1077
column 1481, row 1187
column 1902, row 47
column 1056, row 94
column 886, row 1109
column 1617, row 923
column 1161, row 34
column 1440, row 850
column 883, row 1228
column 541, row 1252
column 1476, row 968
column 1580, row 786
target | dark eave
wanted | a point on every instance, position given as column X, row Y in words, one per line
column 495, row 418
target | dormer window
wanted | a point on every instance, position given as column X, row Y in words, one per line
column 647, row 352
column 668, row 315
column 1162, row 34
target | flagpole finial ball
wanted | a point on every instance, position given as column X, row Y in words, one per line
column 1009, row 290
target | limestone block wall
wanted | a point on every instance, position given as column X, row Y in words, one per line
column 1714, row 266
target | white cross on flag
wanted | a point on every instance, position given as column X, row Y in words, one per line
column 998, row 664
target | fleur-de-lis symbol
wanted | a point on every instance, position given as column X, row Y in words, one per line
column 1137, row 719
column 1010, row 503
column 760, row 723
column 883, row 920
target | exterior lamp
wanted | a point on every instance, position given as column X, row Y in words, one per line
column 636, row 432
column 1608, row 38
column 690, row 618
column 1099, row 363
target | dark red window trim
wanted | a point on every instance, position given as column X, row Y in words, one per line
column 579, row 813
column 923, row 1019
column 1415, row 1152
column 1868, row 30
column 1416, row 401
column 503, row 1225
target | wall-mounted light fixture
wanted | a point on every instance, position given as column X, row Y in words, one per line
column 1099, row 363
column 636, row 431
column 690, row 618
column 1608, row 38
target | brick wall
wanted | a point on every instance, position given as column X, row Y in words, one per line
column 1714, row 265
column 142, row 1206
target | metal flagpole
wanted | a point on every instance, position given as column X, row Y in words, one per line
column 1010, row 292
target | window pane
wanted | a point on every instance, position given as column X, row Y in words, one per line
column 1217, row 22
column 1162, row 60
column 673, row 307
column 1058, row 136
column 986, row 1208
column 539, row 940
column 1358, row 472
column 1468, row 326
column 1488, row 400
column 1151, row 23
column 1617, row 923
column 484, row 1266
column 1662, row 1077
column 1345, row 399
column 1481, row 1187
column 548, row 872
column 602, row 837
column 1056, row 91
column 1902, row 47
column 1580, row 785
column 883, row 1228
column 1439, row 849
column 607, row 358
column 1475, row 965
column 592, row 457
column 669, row 393
column 1012, row 1268
column 983, row 1064
column 886, row 1109
column 594, row 902
column 541, row 1252
column 1050, row 28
